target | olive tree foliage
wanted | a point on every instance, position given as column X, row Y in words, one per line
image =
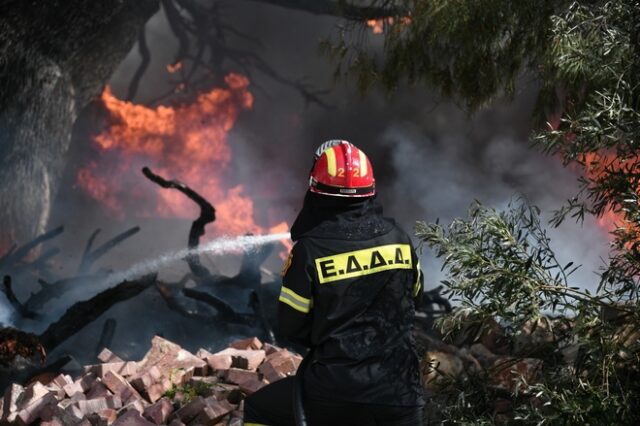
column 500, row 266
column 585, row 58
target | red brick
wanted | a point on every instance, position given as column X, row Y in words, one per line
column 250, row 343
column 53, row 422
column 269, row 348
column 132, row 418
column 119, row 386
column 10, row 401
column 33, row 392
column 106, row 356
column 159, row 412
column 128, row 368
column 78, row 396
column 220, row 362
column 185, row 360
column 237, row 376
column 109, row 415
column 31, row 411
column 72, row 411
column 203, row 354
column 222, row 390
column 191, row 410
column 245, row 359
column 61, row 380
column 81, row 385
column 151, row 384
column 252, row 385
column 146, row 378
column 98, row 404
column 98, row 390
column 138, row 405
column 159, row 348
column 277, row 368
column 213, row 412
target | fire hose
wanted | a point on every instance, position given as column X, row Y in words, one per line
column 298, row 392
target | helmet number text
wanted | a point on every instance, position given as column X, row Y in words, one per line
column 354, row 173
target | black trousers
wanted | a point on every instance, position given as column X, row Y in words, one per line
column 273, row 406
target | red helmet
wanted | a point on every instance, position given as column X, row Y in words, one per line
column 342, row 170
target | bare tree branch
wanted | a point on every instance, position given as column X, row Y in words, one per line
column 142, row 68
column 88, row 259
column 19, row 307
column 207, row 215
column 83, row 313
column 225, row 311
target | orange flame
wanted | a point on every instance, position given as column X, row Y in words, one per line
column 378, row 25
column 187, row 142
column 593, row 165
column 172, row 68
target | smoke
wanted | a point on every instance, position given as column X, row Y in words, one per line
column 5, row 311
column 440, row 176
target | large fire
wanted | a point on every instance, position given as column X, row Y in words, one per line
column 186, row 142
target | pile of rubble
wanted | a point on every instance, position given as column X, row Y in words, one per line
column 485, row 349
column 169, row 385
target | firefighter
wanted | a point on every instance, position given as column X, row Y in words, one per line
column 348, row 293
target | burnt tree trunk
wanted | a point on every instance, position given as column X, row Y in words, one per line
column 55, row 56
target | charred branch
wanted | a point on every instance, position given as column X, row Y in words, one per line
column 177, row 26
column 41, row 263
column 49, row 292
column 16, row 255
column 89, row 245
column 207, row 215
column 175, row 306
column 225, row 311
column 89, row 258
column 145, row 55
column 83, row 313
column 48, row 372
column 19, row 307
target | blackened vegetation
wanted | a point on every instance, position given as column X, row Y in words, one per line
column 22, row 353
column 248, row 278
column 18, row 349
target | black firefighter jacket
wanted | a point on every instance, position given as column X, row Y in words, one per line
column 348, row 294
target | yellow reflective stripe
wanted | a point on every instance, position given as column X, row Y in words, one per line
column 363, row 164
column 363, row 262
column 331, row 161
column 416, row 285
column 294, row 300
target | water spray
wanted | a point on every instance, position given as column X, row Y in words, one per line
column 219, row 246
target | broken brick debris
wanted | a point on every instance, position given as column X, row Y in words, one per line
column 169, row 386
